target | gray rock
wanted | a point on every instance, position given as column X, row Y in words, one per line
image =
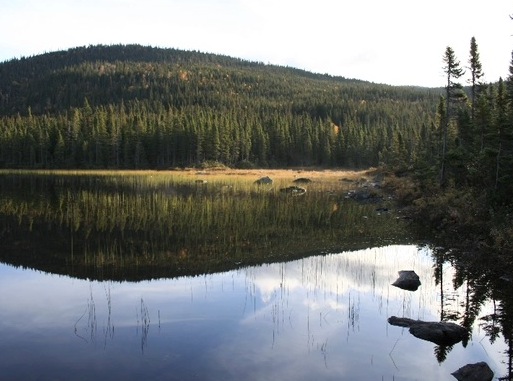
column 474, row 372
column 365, row 196
column 408, row 280
column 293, row 190
column 264, row 181
column 440, row 333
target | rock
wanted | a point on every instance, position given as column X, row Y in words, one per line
column 365, row 196
column 264, row 181
column 440, row 333
column 474, row 372
column 302, row 180
column 293, row 190
column 408, row 280
column 401, row 322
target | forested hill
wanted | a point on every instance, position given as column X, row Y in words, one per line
column 130, row 106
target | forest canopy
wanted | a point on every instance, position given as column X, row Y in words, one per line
column 131, row 106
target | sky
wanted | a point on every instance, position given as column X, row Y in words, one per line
column 396, row 42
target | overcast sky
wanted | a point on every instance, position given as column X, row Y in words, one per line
column 398, row 42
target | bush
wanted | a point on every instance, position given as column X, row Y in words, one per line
column 211, row 164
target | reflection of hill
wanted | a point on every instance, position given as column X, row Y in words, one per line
column 56, row 256
column 120, row 228
column 143, row 269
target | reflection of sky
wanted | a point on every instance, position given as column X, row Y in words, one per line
column 320, row 318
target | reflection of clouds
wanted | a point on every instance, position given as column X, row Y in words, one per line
column 322, row 283
column 270, row 283
column 323, row 280
column 335, row 307
column 31, row 299
column 322, row 317
column 335, row 297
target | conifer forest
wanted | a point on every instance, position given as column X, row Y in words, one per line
column 137, row 107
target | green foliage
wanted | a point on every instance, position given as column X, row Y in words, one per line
column 465, row 173
column 140, row 107
column 470, row 145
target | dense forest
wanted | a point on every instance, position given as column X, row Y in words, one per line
column 142, row 107
column 137, row 107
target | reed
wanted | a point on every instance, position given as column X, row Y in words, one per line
column 169, row 219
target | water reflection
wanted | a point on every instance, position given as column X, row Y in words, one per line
column 323, row 318
column 137, row 227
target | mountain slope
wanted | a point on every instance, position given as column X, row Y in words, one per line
column 108, row 74
column 124, row 98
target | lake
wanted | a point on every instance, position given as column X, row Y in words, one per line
column 100, row 281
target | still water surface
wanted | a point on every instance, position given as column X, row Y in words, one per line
column 317, row 318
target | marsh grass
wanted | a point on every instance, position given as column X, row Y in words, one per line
column 186, row 221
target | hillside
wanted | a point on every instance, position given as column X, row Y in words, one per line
column 130, row 106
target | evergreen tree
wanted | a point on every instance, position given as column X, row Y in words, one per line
column 454, row 94
column 504, row 111
column 501, row 123
column 131, row 106
column 476, row 73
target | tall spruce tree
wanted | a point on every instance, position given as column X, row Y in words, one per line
column 476, row 73
column 505, row 129
column 454, row 92
column 501, row 123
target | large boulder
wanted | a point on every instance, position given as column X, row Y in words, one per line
column 474, row 372
column 408, row 280
column 440, row 333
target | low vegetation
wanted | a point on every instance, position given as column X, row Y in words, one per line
column 144, row 224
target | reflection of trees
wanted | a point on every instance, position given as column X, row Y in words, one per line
column 438, row 266
column 441, row 352
column 485, row 277
column 469, row 271
column 441, row 255
column 503, row 315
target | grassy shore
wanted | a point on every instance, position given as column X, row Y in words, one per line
column 214, row 172
column 193, row 220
